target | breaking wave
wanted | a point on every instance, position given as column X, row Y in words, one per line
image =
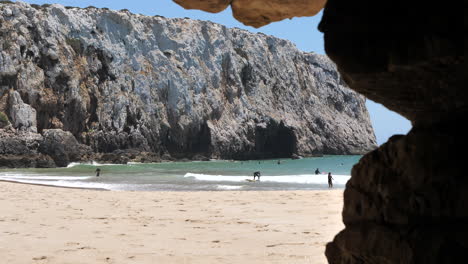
column 301, row 179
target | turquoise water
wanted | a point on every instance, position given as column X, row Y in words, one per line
column 195, row 176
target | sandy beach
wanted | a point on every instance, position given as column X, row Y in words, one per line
column 41, row 224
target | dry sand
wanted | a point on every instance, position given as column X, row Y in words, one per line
column 40, row 224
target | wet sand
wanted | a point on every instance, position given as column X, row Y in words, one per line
column 40, row 224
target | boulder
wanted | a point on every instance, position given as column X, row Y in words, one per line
column 23, row 116
column 26, row 161
column 63, row 147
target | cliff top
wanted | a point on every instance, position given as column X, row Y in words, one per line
column 123, row 12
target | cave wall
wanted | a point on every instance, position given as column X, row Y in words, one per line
column 406, row 201
column 258, row 13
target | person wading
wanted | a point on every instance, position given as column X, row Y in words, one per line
column 257, row 174
column 330, row 180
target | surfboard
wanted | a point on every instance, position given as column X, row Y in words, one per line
column 249, row 180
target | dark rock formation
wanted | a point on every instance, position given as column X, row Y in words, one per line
column 19, row 150
column 124, row 156
column 63, row 147
column 178, row 88
column 26, row 161
column 406, row 201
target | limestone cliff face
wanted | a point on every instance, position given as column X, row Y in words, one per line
column 175, row 87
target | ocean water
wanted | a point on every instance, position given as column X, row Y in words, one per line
column 216, row 175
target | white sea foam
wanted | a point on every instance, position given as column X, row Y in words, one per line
column 302, row 179
column 93, row 163
column 13, row 177
column 73, row 164
column 61, row 183
column 228, row 187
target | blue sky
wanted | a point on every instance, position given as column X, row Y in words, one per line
column 301, row 31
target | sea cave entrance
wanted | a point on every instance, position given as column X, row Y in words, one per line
column 275, row 140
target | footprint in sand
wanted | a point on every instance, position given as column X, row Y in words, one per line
column 285, row 244
column 40, row 258
column 86, row 248
column 193, row 221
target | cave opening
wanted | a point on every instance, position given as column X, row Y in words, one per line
column 201, row 141
column 275, row 140
column 188, row 143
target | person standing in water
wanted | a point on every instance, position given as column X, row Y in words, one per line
column 257, row 174
column 98, row 172
column 317, row 172
column 330, row 180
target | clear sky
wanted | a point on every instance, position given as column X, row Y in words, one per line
column 301, row 31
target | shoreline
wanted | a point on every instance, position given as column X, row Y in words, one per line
column 69, row 225
column 55, row 186
column 109, row 190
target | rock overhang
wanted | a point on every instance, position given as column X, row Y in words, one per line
column 258, row 13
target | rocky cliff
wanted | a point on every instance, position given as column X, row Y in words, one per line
column 179, row 88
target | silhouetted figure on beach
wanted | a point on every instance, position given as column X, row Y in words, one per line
column 317, row 171
column 98, row 172
column 330, row 180
column 257, row 174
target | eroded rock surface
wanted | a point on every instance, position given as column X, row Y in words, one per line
column 23, row 116
column 213, row 6
column 179, row 88
column 406, row 201
column 19, row 149
column 258, row 13
column 63, row 147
